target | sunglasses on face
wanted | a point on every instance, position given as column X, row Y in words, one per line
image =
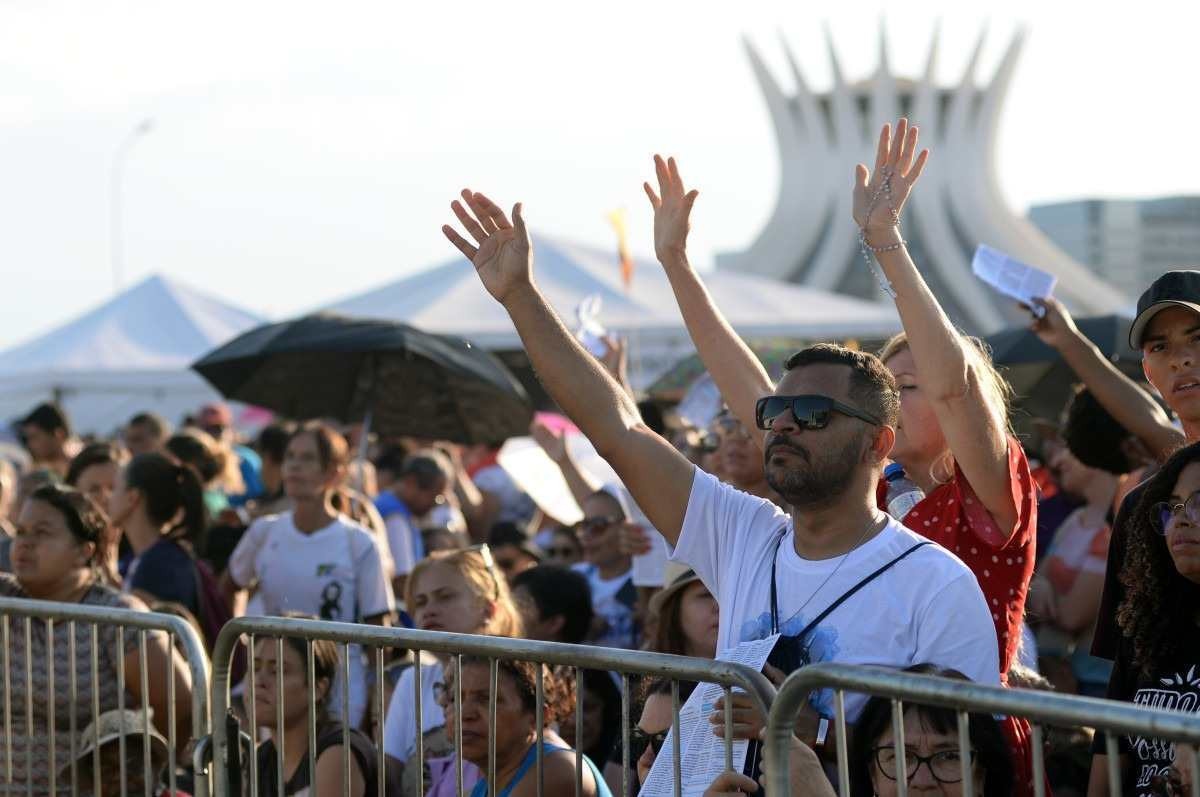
column 639, row 740
column 1165, row 512
column 809, row 412
column 596, row 525
column 560, row 553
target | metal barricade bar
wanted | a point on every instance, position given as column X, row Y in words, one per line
column 78, row 617
column 1040, row 708
column 490, row 650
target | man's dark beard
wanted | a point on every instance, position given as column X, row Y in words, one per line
column 818, row 481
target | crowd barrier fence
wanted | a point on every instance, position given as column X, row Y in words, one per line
column 83, row 622
column 1040, row 708
column 494, row 649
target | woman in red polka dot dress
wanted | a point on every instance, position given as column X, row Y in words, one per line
column 953, row 438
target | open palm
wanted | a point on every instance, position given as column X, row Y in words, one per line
column 879, row 196
column 672, row 209
column 504, row 257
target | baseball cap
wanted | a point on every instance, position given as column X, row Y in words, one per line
column 1173, row 289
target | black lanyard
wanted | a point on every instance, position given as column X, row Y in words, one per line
column 829, row 609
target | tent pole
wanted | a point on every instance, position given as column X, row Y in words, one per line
column 364, row 442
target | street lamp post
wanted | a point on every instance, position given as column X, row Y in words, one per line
column 116, row 174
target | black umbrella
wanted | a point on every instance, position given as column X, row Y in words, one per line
column 1041, row 380
column 1022, row 345
column 398, row 379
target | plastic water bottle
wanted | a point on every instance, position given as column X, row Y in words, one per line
column 902, row 492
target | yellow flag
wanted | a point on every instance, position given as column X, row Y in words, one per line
column 617, row 219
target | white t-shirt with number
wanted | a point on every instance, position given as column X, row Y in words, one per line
column 335, row 573
column 927, row 608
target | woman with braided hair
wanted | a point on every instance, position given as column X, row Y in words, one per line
column 1158, row 657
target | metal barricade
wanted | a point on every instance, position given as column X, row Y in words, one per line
column 964, row 697
column 492, row 650
column 83, row 625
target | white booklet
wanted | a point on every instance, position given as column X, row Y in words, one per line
column 702, row 752
column 1012, row 277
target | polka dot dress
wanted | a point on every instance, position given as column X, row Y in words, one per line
column 953, row 517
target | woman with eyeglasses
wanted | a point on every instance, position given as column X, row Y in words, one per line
column 515, row 734
column 460, row 592
column 1158, row 657
column 609, row 571
column 930, row 763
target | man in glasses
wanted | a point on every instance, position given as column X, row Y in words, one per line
column 837, row 577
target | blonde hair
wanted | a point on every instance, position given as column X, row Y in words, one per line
column 995, row 389
column 488, row 585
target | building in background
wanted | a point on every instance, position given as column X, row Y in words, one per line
column 1126, row 242
column 811, row 238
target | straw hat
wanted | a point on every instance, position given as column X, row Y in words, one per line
column 676, row 577
column 114, row 724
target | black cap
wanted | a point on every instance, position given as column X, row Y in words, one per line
column 1173, row 289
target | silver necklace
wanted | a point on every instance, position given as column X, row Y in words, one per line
column 879, row 523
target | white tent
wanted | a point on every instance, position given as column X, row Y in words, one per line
column 128, row 355
column 450, row 299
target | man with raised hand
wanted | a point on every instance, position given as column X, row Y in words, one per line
column 838, row 579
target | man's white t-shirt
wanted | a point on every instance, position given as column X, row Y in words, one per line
column 614, row 600
column 335, row 573
column 927, row 608
column 400, row 734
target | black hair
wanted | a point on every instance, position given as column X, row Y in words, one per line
column 1093, row 436
column 170, row 490
column 391, row 459
column 1157, row 615
column 558, row 692
column 427, row 468
column 872, row 385
column 156, row 423
column 49, row 417
column 990, row 748
column 197, row 448
column 558, row 590
column 601, row 684
column 92, row 454
column 273, row 439
column 84, row 519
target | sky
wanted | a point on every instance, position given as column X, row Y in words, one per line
column 302, row 152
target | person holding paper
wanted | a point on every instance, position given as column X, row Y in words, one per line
column 881, row 594
column 952, row 438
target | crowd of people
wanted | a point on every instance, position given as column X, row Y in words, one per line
column 866, row 508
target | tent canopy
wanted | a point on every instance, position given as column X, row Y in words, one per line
column 130, row 354
column 449, row 299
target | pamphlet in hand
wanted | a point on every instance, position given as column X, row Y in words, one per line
column 702, row 751
column 1012, row 277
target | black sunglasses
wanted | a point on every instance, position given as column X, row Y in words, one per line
column 809, row 412
column 639, row 740
column 595, row 525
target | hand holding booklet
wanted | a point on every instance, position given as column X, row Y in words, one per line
column 1012, row 277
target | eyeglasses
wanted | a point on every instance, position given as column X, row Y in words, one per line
column 485, row 553
column 639, row 740
column 809, row 412
column 944, row 765
column 1162, row 513
column 596, row 525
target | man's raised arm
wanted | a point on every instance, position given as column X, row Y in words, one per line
column 657, row 475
